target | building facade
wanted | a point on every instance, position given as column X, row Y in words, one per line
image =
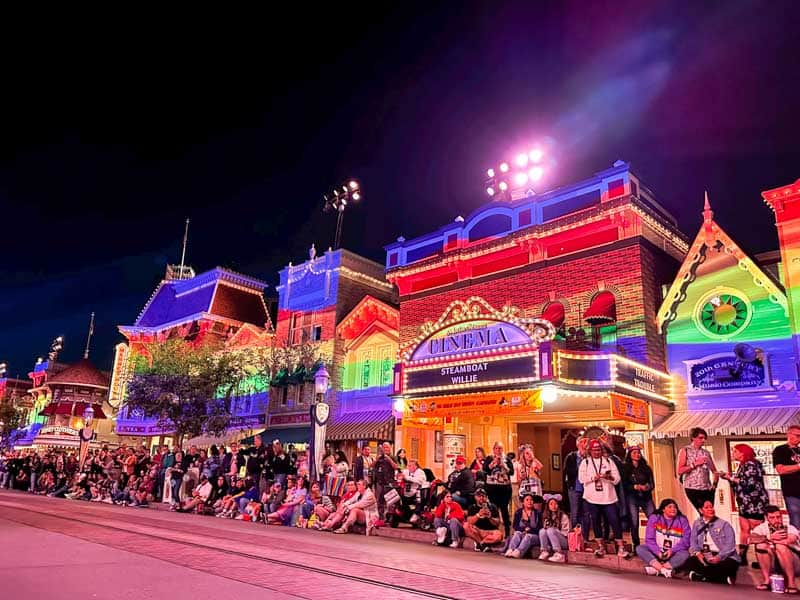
column 534, row 320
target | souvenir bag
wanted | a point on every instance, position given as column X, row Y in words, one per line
column 391, row 497
column 575, row 540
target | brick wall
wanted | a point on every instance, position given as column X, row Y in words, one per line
column 572, row 282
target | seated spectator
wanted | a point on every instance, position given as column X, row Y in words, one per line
column 412, row 481
column 554, row 531
column 483, row 523
column 251, row 494
column 461, row 482
column 526, row 526
column 666, row 540
column 449, row 518
column 199, row 496
column 294, row 497
column 713, row 548
column 230, row 503
column 350, row 496
column 144, row 492
column 776, row 541
column 273, row 499
column 80, row 490
column 364, row 509
column 316, row 504
column 218, row 493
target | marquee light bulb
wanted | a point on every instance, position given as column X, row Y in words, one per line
column 504, row 167
column 503, row 186
column 490, row 191
column 490, row 172
column 536, row 173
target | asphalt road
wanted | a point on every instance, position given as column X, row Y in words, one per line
column 58, row 549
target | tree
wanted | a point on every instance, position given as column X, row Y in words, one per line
column 187, row 387
column 10, row 423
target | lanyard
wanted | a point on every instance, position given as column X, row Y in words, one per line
column 596, row 470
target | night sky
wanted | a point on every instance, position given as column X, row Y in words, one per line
column 117, row 128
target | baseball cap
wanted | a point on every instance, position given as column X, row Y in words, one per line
column 480, row 492
column 595, row 444
column 460, row 460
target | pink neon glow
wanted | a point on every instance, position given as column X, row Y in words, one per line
column 536, row 155
column 521, row 160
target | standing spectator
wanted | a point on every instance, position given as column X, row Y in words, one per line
column 448, row 518
column 529, row 472
column 167, row 460
column 3, row 470
column 713, row 548
column 176, row 480
column 637, row 479
column 515, row 495
column 384, row 473
column 281, row 464
column 461, row 482
column 786, row 459
column 35, row 471
column 340, row 464
column 232, row 463
column 574, row 486
column 666, row 540
column 498, row 482
column 402, row 459
column 599, row 476
column 254, row 465
column 362, row 465
column 477, row 465
column 776, row 541
column 554, row 531
column 751, row 495
column 696, row 465
column 483, row 523
column 527, row 524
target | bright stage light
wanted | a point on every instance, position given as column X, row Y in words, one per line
column 521, row 160
column 356, row 196
column 504, row 167
column 520, row 179
column 353, row 185
column 536, row 173
column 549, row 394
column 503, row 186
column 490, row 172
column 490, row 191
column 535, row 155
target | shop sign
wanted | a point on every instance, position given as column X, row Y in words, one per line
column 629, row 409
column 247, row 422
column 471, row 336
column 290, row 419
column 576, row 369
column 638, row 378
column 471, row 374
column 726, row 372
column 58, row 430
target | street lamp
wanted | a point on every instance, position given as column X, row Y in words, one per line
column 321, row 380
column 516, row 179
column 338, row 199
column 320, row 412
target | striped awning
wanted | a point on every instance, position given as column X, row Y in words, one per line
column 365, row 425
column 752, row 421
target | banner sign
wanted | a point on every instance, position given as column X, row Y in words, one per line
column 486, row 404
column 726, row 372
column 471, row 374
column 629, row 409
column 471, row 336
column 290, row 419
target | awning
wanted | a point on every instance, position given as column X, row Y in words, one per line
column 753, row 421
column 366, row 425
column 206, row 441
column 602, row 310
column 287, row 435
column 554, row 312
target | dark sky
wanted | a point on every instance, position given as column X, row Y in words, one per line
column 115, row 128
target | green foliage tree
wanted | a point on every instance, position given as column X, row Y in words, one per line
column 10, row 423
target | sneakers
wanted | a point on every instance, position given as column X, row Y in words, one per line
column 413, row 519
column 380, row 523
column 515, row 554
column 730, row 581
column 622, row 553
column 653, row 571
column 600, row 552
column 340, row 530
column 544, row 555
column 507, row 553
column 666, row 573
column 441, row 535
column 454, row 544
column 486, row 548
column 478, row 547
column 557, row 558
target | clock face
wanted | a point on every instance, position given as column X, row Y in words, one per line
column 723, row 314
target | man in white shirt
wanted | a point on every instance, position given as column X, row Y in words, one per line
column 599, row 476
column 413, row 480
column 774, row 539
column 199, row 495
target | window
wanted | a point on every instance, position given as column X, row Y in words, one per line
column 300, row 393
column 283, row 393
column 387, row 366
column 364, row 368
column 316, row 333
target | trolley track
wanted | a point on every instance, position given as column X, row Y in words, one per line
column 215, row 540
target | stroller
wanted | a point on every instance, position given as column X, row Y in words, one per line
column 434, row 496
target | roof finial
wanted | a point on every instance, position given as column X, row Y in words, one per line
column 89, row 337
column 708, row 214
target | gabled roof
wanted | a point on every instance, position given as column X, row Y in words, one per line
column 219, row 292
column 710, row 236
column 249, row 335
column 366, row 314
column 82, row 372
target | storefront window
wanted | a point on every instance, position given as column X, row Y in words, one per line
column 387, row 365
column 763, row 450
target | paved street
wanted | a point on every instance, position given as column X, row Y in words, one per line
column 76, row 550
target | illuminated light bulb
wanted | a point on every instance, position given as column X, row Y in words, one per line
column 521, row 160
column 353, row 185
column 503, row 186
column 490, row 172
column 356, row 196
column 504, row 167
column 490, row 191
column 535, row 155
column 520, row 179
column 536, row 173
column 399, row 405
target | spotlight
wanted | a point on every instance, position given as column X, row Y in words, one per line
column 490, row 172
column 353, row 184
column 504, row 167
column 520, row 179
column 503, row 186
column 490, row 191
column 356, row 196
column 535, row 155
column 536, row 173
column 521, row 160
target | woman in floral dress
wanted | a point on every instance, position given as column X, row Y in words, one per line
column 751, row 495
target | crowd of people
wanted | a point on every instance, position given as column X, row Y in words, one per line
column 497, row 500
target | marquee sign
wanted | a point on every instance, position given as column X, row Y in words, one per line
column 473, row 374
column 600, row 371
column 470, row 336
column 485, row 404
column 289, row 419
column 726, row 372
